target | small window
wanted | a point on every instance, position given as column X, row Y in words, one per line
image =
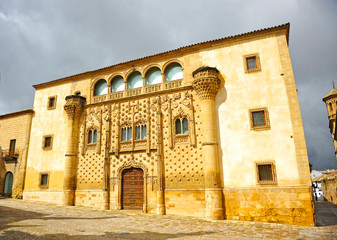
column 182, row 126
column 252, row 63
column 78, row 93
column 51, row 102
column 92, row 136
column 141, row 131
column 330, row 106
column 127, row 133
column 44, row 178
column 266, row 173
column 47, row 142
column 259, row 119
column 12, row 147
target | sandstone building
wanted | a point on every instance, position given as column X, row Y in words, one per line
column 14, row 142
column 212, row 130
column 330, row 101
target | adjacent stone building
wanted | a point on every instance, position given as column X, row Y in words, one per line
column 330, row 101
column 14, row 142
column 212, row 130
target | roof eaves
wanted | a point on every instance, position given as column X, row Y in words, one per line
column 22, row 112
column 285, row 26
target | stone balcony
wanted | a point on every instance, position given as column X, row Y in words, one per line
column 138, row 91
column 9, row 157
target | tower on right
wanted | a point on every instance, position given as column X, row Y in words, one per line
column 330, row 101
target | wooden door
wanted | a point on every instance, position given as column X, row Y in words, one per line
column 132, row 189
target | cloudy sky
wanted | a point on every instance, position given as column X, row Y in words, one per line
column 43, row 40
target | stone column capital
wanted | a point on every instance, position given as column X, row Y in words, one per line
column 206, row 82
column 74, row 106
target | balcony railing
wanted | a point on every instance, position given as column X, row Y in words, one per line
column 138, row 91
column 7, row 157
column 133, row 92
column 100, row 98
column 152, row 88
column 173, row 84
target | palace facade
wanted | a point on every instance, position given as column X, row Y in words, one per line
column 211, row 130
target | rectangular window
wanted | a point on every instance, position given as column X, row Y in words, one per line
column 259, row 119
column 44, row 179
column 144, row 132
column 252, row 63
column 266, row 173
column 51, row 102
column 47, row 143
column 138, row 132
column 126, row 134
column 12, row 147
column 129, row 133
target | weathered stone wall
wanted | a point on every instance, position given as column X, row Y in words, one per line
column 290, row 205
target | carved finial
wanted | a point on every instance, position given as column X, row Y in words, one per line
column 333, row 84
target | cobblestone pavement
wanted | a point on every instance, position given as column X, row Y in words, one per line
column 21, row 219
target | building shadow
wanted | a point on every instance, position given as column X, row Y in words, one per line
column 10, row 225
column 326, row 214
column 107, row 235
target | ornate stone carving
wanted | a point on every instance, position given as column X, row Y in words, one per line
column 74, row 106
column 206, row 82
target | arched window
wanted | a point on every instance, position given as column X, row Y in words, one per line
column 135, row 80
column 92, row 136
column 330, row 106
column 117, row 84
column 153, row 76
column 101, row 88
column 173, row 72
column 126, row 133
column 141, row 131
column 78, row 93
column 181, row 126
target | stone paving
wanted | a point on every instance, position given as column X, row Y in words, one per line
column 21, row 219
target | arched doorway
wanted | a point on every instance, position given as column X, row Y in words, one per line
column 132, row 188
column 8, row 183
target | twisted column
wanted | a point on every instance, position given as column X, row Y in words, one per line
column 206, row 85
column 74, row 107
